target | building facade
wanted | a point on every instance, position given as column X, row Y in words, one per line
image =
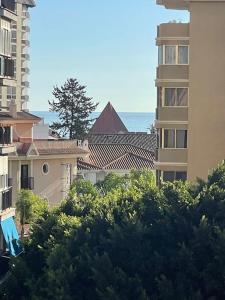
column 9, row 239
column 190, row 115
column 14, row 48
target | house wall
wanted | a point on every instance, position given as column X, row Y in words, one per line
column 54, row 185
column 23, row 131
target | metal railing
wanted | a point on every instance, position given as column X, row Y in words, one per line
column 6, row 199
column 27, row 183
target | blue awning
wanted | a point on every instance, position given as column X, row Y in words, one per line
column 11, row 236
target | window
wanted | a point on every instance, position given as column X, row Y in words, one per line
column 45, row 168
column 175, row 138
column 170, row 97
column 170, row 55
column 174, row 175
column 182, row 55
column 160, row 55
column 175, row 96
column 11, row 93
column 181, row 138
column 173, row 55
column 169, row 138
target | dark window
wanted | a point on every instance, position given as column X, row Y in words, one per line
column 181, row 176
column 168, row 176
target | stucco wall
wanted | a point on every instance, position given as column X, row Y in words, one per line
column 206, row 136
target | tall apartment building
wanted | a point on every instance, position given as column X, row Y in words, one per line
column 9, row 239
column 190, row 115
column 15, row 34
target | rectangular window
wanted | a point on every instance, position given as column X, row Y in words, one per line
column 173, row 54
column 175, row 96
column 170, row 97
column 175, row 138
column 169, row 138
column 160, row 55
column 174, row 175
column 182, row 97
column 159, row 97
column 183, row 55
column 181, row 138
column 170, row 55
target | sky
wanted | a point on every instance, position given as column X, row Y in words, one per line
column 107, row 45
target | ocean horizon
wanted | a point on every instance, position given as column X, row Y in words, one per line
column 134, row 121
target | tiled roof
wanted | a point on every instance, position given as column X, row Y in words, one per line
column 51, row 148
column 141, row 140
column 104, row 155
column 58, row 147
column 82, row 165
column 108, row 122
column 21, row 115
column 130, row 161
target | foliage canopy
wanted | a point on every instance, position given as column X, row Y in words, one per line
column 134, row 241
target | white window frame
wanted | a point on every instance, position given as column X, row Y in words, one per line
column 177, row 54
column 175, row 136
column 172, row 87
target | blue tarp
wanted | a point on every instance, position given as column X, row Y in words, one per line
column 11, row 236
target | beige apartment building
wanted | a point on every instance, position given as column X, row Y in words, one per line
column 190, row 115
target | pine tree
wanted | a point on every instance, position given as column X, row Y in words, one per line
column 73, row 108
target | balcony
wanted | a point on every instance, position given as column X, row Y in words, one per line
column 27, row 183
column 6, row 146
column 6, row 199
column 25, row 84
column 172, row 155
column 172, row 114
column 8, row 4
column 173, row 72
column 25, row 56
column 174, row 4
column 173, row 31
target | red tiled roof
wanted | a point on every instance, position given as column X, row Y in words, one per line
column 21, row 115
column 58, row 147
column 108, row 122
column 45, row 147
column 141, row 140
column 82, row 165
column 130, row 161
column 103, row 154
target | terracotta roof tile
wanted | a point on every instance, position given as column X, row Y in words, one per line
column 108, row 122
column 45, row 147
column 102, row 155
column 141, row 140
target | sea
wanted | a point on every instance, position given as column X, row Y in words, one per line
column 134, row 121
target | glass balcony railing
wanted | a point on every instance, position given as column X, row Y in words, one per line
column 27, row 183
column 5, row 135
column 6, row 199
column 8, row 4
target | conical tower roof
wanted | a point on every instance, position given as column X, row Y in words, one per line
column 108, row 122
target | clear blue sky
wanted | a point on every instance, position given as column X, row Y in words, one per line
column 108, row 45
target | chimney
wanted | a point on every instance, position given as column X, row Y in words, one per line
column 13, row 109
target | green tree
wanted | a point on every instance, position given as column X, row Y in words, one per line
column 29, row 208
column 73, row 108
column 133, row 242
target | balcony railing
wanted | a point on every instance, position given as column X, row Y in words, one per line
column 8, row 4
column 27, row 183
column 8, row 67
column 5, row 135
column 6, row 199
